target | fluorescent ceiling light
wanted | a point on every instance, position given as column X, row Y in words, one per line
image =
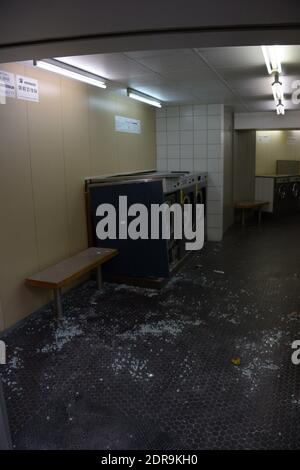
column 136, row 95
column 280, row 108
column 272, row 56
column 277, row 89
column 53, row 65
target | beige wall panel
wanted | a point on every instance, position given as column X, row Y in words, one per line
column 127, row 151
column 136, row 151
column 2, row 323
column 48, row 171
column 18, row 250
column 101, row 131
column 127, row 106
column 275, row 145
column 47, row 149
column 126, row 144
column 77, row 159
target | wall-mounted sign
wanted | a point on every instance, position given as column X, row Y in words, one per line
column 27, row 88
column 264, row 139
column 7, row 84
column 125, row 124
column 291, row 140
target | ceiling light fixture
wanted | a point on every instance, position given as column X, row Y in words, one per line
column 272, row 56
column 280, row 108
column 56, row 66
column 277, row 89
column 137, row 95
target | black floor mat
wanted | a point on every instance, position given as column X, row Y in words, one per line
column 135, row 368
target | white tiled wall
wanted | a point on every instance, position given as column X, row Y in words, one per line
column 191, row 138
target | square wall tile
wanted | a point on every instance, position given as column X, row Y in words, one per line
column 186, row 151
column 187, row 164
column 161, row 124
column 200, row 151
column 214, row 194
column 215, row 109
column 162, row 164
column 173, row 164
column 173, row 151
column 172, row 111
column 215, row 165
column 200, row 165
column 161, row 151
column 214, row 137
column 186, row 137
column 215, row 151
column 215, row 179
column 200, row 109
column 186, row 110
column 214, row 220
column 161, row 138
column 200, row 122
column 172, row 123
column 186, row 123
column 215, row 122
column 173, row 137
column 214, row 234
column 214, row 207
column 200, row 137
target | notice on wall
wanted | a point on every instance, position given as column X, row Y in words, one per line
column 291, row 140
column 7, row 84
column 27, row 88
column 264, row 139
column 125, row 124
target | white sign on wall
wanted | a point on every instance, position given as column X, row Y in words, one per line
column 264, row 139
column 125, row 124
column 7, row 84
column 27, row 88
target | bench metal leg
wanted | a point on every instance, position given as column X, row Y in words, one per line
column 99, row 278
column 58, row 302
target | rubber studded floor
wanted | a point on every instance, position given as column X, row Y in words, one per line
column 135, row 368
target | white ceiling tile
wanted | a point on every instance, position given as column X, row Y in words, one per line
column 151, row 53
column 149, row 79
column 176, row 59
column 111, row 66
column 220, row 57
column 290, row 55
column 181, row 77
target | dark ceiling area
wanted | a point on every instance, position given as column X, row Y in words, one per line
column 47, row 29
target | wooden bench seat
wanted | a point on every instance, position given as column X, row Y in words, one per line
column 57, row 276
column 250, row 205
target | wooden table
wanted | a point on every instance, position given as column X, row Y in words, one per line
column 61, row 274
column 250, row 205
